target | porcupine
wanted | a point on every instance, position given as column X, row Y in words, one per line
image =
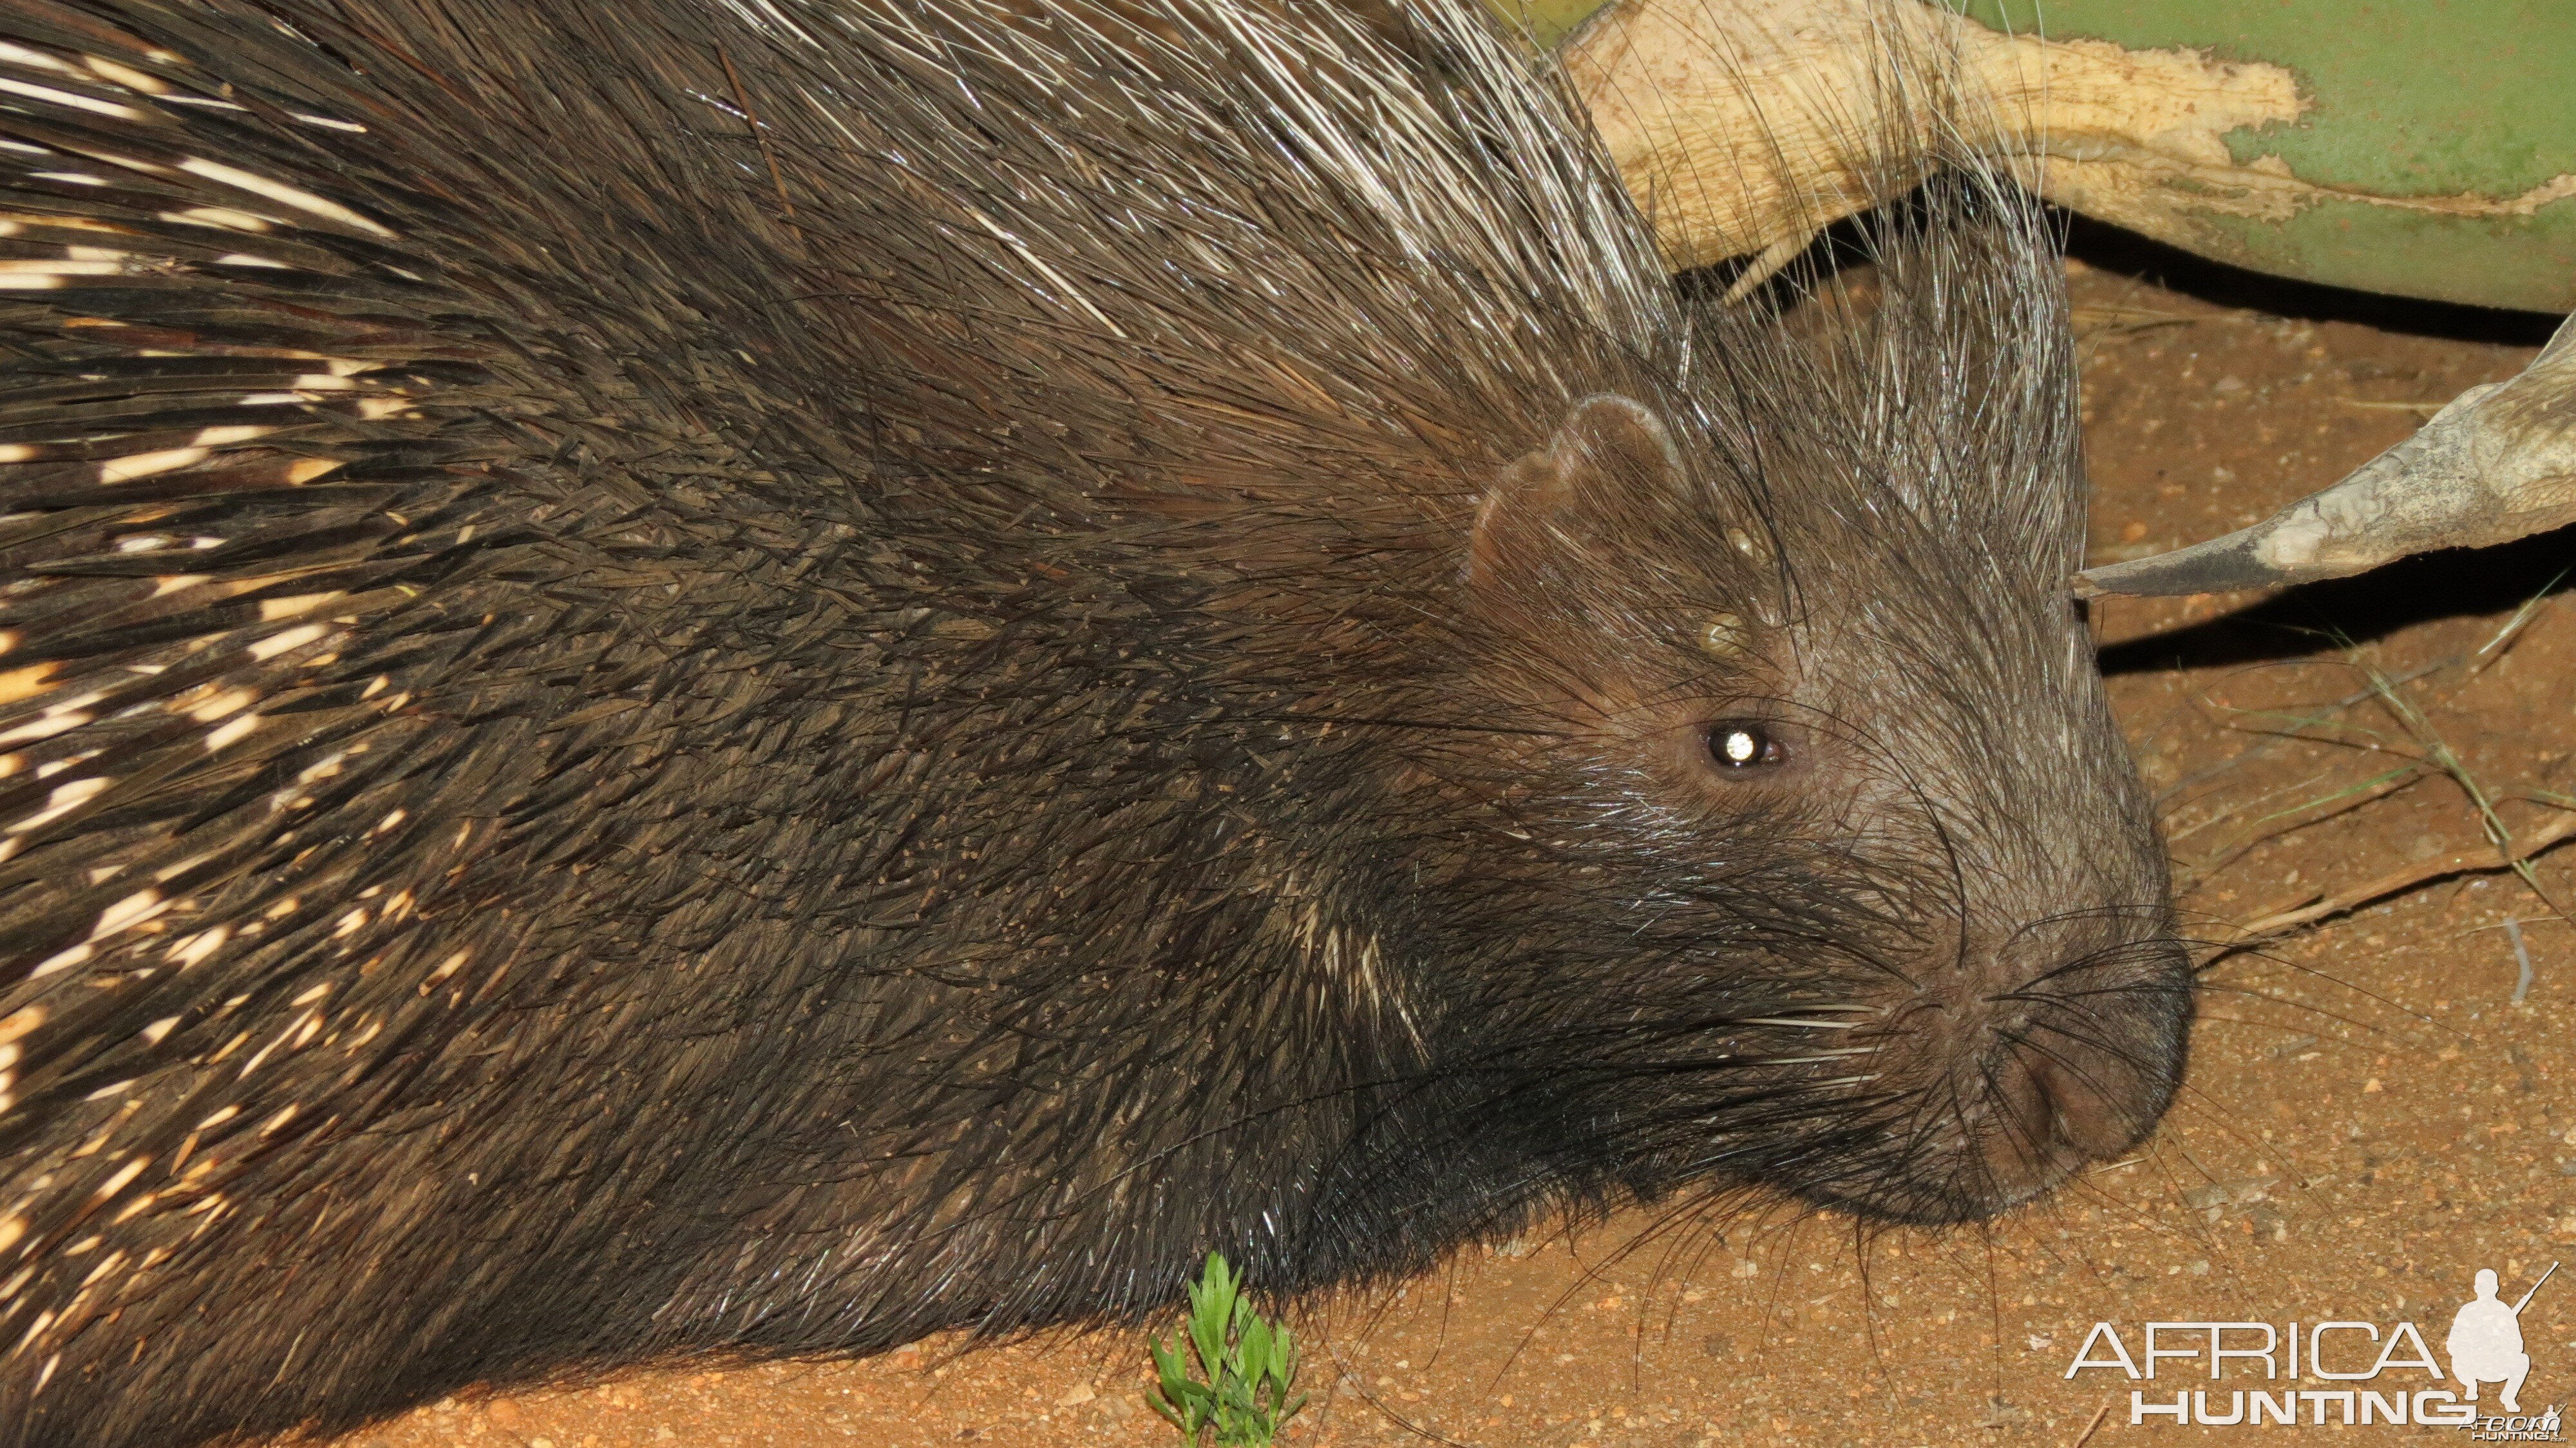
column 757, row 678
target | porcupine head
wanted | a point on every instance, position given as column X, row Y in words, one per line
column 1745, row 807
column 685, row 676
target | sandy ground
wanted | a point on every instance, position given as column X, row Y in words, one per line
column 2377, row 1106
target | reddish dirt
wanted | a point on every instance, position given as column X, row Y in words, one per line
column 2370, row 1115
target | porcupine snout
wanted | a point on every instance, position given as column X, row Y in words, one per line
column 2047, row 1036
column 2033, row 1000
column 2013, row 1067
column 2070, row 1067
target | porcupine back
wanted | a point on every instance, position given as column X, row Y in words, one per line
column 689, row 677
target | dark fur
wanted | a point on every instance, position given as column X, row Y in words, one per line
column 968, row 755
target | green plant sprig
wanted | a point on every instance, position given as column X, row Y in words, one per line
column 1246, row 1367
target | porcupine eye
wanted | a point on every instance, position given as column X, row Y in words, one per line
column 1736, row 745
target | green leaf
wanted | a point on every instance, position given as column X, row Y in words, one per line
column 1245, row 1369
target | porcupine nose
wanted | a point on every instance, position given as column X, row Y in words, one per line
column 2007, row 1085
column 2079, row 1071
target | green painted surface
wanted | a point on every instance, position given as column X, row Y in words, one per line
column 1547, row 20
column 2472, row 99
column 2425, row 98
column 2429, row 99
column 2527, row 263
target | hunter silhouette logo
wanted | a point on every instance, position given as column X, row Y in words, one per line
column 2486, row 1340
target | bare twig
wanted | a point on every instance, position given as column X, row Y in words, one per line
column 2494, row 649
column 2274, row 741
column 2515, row 857
column 2096, row 317
column 2093, row 1427
column 2438, row 752
column 2348, row 801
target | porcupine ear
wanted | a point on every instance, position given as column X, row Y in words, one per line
column 1608, row 445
